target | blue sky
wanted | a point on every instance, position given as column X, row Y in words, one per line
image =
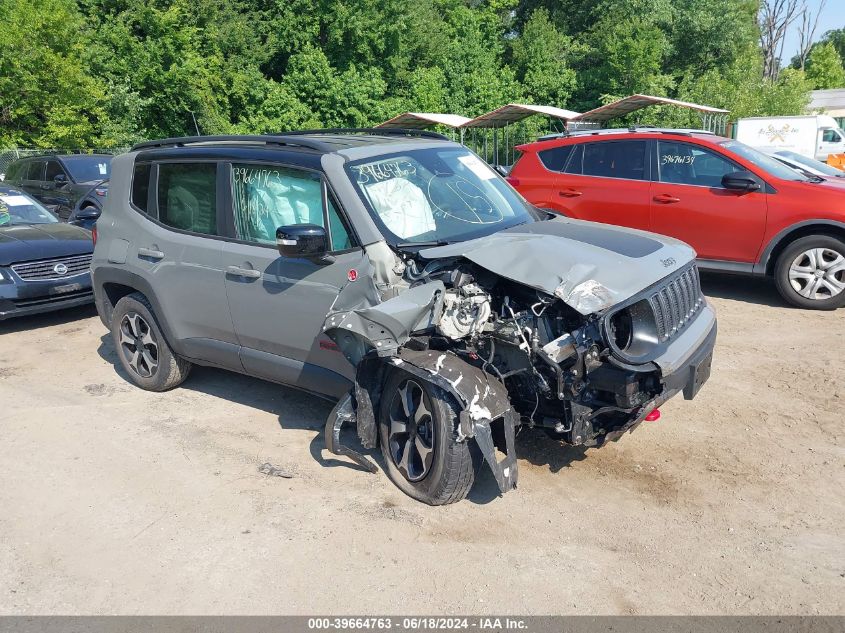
column 832, row 17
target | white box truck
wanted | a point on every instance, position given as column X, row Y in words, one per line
column 816, row 136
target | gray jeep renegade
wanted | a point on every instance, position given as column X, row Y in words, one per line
column 394, row 272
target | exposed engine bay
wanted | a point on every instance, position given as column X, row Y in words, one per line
column 509, row 353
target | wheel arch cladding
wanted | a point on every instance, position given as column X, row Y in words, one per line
column 787, row 236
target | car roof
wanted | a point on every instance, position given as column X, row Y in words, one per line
column 321, row 141
column 555, row 140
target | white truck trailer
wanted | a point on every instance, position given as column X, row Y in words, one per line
column 816, row 136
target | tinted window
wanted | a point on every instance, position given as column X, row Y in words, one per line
column 685, row 164
column 54, row 169
column 34, row 170
column 88, row 168
column 616, row 159
column 141, row 186
column 576, row 161
column 187, row 196
column 555, row 159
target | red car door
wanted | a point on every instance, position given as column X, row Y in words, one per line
column 688, row 202
column 605, row 181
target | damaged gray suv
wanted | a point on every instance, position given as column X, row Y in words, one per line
column 394, row 272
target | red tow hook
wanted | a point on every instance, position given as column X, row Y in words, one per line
column 654, row 416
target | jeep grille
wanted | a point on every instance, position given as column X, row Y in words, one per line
column 677, row 302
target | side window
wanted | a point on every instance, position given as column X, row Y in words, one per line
column 554, row 159
column 187, row 196
column 615, row 159
column 266, row 197
column 576, row 161
column 830, row 136
column 685, row 164
column 35, row 170
column 13, row 171
column 141, row 186
column 340, row 233
column 54, row 169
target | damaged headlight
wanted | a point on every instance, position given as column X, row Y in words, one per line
column 632, row 332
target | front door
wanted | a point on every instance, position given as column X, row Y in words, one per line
column 606, row 181
column 57, row 195
column 688, row 202
column 278, row 304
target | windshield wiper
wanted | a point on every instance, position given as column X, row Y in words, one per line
column 423, row 244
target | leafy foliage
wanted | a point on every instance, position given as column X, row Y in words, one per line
column 824, row 67
column 90, row 73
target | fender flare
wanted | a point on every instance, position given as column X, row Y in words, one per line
column 762, row 264
column 102, row 276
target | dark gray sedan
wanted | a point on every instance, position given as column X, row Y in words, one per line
column 44, row 264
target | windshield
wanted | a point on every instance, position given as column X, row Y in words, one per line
column 764, row 162
column 437, row 195
column 812, row 163
column 88, row 168
column 18, row 208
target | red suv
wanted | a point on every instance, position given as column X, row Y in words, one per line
column 742, row 210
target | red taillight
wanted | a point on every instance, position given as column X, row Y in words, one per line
column 513, row 182
column 654, row 416
column 94, row 235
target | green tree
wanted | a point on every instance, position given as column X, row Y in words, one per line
column 47, row 99
column 541, row 58
column 824, row 67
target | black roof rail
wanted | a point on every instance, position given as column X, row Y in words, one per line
column 380, row 131
column 268, row 139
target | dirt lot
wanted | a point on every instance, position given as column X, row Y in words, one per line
column 114, row 500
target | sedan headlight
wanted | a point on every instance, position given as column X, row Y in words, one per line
column 632, row 332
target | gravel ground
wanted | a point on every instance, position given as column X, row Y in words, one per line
column 115, row 500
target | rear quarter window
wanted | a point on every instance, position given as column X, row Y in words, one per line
column 141, row 186
column 554, row 159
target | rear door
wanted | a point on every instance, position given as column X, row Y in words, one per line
column 180, row 255
column 32, row 179
column 689, row 203
column 606, row 181
column 279, row 304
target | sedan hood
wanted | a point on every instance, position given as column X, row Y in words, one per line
column 42, row 241
column 589, row 266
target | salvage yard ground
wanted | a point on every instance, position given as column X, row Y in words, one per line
column 116, row 500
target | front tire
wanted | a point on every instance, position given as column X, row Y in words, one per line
column 141, row 347
column 418, row 436
column 810, row 273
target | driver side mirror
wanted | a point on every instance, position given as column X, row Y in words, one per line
column 59, row 179
column 307, row 241
column 743, row 181
column 88, row 213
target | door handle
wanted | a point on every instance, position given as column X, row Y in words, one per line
column 569, row 193
column 248, row 273
column 150, row 253
column 665, row 198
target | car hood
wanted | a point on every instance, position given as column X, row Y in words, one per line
column 589, row 266
column 42, row 241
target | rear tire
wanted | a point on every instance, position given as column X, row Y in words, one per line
column 141, row 347
column 419, row 441
column 810, row 273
